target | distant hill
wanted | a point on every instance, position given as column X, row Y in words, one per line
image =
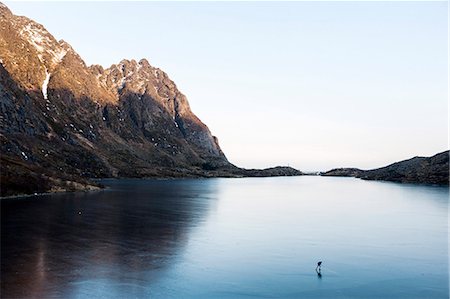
column 423, row 170
column 351, row 172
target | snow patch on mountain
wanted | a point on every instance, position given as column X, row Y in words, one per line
column 42, row 42
column 34, row 36
column 45, row 84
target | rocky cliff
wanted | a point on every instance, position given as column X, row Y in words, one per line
column 423, row 170
column 61, row 120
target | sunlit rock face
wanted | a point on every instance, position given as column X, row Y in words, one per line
column 62, row 117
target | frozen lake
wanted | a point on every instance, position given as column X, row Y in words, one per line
column 228, row 238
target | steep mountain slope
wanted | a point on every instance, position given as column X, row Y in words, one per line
column 65, row 120
column 424, row 170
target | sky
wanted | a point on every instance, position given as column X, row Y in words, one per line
column 312, row 85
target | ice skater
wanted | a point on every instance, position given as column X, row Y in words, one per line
column 319, row 267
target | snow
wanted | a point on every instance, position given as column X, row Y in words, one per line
column 43, row 43
column 122, row 82
column 45, row 84
column 59, row 55
column 34, row 36
column 125, row 78
column 25, row 156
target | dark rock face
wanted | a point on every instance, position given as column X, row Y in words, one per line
column 350, row 172
column 423, row 170
column 62, row 118
column 273, row 171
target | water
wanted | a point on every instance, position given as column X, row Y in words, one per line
column 228, row 238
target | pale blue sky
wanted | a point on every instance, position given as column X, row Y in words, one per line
column 315, row 85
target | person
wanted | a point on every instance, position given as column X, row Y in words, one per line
column 319, row 267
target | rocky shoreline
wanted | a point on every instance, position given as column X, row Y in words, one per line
column 23, row 179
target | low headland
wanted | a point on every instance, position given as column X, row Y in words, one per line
column 432, row 170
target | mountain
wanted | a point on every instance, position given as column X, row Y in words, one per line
column 423, row 170
column 62, row 122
